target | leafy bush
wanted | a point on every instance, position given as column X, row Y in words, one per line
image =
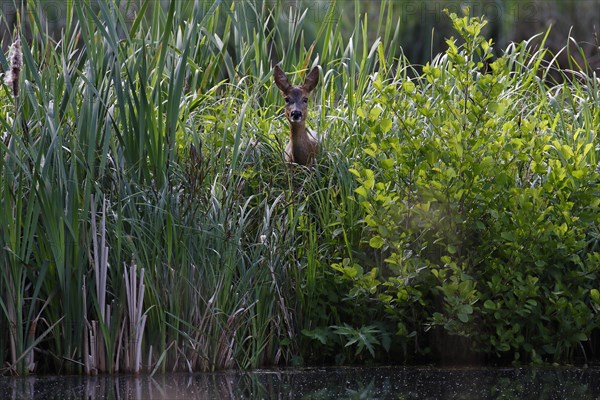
column 479, row 186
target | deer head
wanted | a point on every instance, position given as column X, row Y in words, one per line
column 296, row 96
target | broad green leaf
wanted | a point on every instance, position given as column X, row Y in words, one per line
column 387, row 163
column 354, row 172
column 376, row 242
column 386, row 125
column 489, row 304
column 508, row 236
column 374, row 113
column 361, row 191
column 408, row 86
column 369, row 180
column 493, row 107
column 595, row 295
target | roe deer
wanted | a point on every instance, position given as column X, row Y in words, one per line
column 302, row 147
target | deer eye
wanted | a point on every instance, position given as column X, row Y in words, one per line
column 287, row 100
column 305, row 99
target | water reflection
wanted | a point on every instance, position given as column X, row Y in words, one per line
column 319, row 383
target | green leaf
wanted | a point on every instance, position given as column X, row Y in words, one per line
column 489, row 304
column 374, row 113
column 369, row 181
column 408, row 86
column 467, row 309
column 508, row 236
column 595, row 295
column 580, row 337
column 361, row 191
column 386, row 125
column 463, row 317
column 503, row 347
column 354, row 172
column 376, row 242
column 319, row 334
column 387, row 163
column 450, row 173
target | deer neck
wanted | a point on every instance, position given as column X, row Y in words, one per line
column 301, row 145
column 298, row 132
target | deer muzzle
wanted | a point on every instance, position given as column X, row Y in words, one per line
column 296, row 115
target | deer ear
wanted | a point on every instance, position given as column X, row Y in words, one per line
column 281, row 79
column 311, row 80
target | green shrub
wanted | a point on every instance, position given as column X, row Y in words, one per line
column 479, row 187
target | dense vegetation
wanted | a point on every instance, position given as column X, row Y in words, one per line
column 150, row 222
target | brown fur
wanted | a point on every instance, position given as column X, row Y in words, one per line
column 302, row 147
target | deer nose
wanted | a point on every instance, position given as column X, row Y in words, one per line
column 296, row 115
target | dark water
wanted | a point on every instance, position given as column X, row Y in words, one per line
column 319, row 383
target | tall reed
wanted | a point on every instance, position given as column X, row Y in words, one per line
column 125, row 253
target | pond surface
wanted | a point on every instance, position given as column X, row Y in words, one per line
column 319, row 383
